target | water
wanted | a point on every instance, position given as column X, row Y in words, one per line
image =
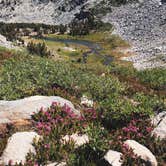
column 93, row 47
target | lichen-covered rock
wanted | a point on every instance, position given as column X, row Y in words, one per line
column 141, row 151
column 113, row 158
column 18, row 146
column 13, row 111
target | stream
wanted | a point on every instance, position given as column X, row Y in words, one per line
column 94, row 48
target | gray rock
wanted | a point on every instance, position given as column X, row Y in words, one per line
column 22, row 109
column 18, row 146
column 78, row 140
column 37, row 11
column 158, row 118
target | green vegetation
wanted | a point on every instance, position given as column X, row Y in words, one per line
column 30, row 73
column 13, row 31
column 81, row 26
column 104, row 7
column 120, row 2
column 25, row 75
column 153, row 78
column 156, row 78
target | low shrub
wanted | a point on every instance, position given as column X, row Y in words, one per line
column 38, row 49
column 139, row 129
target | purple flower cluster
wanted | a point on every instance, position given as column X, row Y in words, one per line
column 135, row 130
column 46, row 121
column 90, row 114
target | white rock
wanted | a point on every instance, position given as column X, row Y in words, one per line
column 11, row 111
column 141, row 151
column 79, row 140
column 158, row 118
column 160, row 122
column 18, row 146
column 113, row 158
column 4, row 42
column 86, row 102
column 69, row 49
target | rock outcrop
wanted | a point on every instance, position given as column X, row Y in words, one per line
column 142, row 152
column 18, row 146
column 13, row 111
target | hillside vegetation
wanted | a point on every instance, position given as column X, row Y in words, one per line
column 122, row 101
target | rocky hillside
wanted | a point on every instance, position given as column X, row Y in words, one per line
column 40, row 11
column 144, row 26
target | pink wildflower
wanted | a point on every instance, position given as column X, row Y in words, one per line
column 149, row 129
